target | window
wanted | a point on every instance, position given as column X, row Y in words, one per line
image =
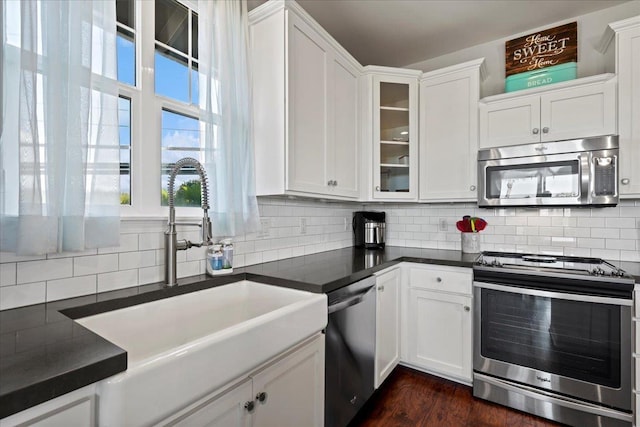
column 158, row 110
column 126, row 53
column 180, row 138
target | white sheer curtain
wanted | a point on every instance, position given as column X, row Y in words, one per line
column 59, row 188
column 225, row 115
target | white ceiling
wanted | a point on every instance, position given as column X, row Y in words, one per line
column 397, row 33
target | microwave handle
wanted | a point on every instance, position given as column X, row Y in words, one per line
column 585, row 176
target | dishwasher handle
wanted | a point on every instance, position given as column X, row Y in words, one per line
column 351, row 301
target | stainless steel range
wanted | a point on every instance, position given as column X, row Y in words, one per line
column 553, row 337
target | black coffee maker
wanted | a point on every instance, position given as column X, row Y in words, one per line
column 368, row 229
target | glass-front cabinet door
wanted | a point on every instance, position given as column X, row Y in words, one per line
column 395, row 137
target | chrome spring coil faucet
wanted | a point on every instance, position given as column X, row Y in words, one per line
column 171, row 243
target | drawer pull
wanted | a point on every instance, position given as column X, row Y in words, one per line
column 438, row 279
column 467, row 308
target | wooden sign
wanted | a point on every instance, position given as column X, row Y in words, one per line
column 542, row 49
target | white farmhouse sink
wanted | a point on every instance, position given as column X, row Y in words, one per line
column 181, row 348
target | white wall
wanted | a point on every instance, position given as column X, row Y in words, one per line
column 611, row 233
column 591, row 27
column 140, row 257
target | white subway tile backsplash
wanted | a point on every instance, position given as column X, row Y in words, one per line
column 577, row 232
column 591, row 243
column 630, row 256
column 605, row 253
column 8, row 274
column 72, row 254
column 613, row 233
column 117, row 280
column 129, row 260
column 630, row 211
column 563, row 222
column 256, row 257
column 627, row 245
column 621, row 222
column 10, row 257
column 515, row 220
column 128, row 243
column 20, row 295
column 85, row 265
column 71, row 287
column 189, row 268
column 197, row 254
column 605, row 233
column 540, row 221
column 150, row 241
column 584, row 252
column 590, row 222
column 151, row 274
column 37, row 271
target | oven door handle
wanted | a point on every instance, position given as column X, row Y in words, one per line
column 556, row 295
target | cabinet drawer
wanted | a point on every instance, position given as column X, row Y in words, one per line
column 445, row 279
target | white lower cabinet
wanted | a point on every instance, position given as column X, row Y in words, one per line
column 77, row 408
column 227, row 410
column 286, row 392
column 387, row 324
column 437, row 321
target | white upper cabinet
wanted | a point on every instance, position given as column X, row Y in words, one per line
column 308, row 108
column 306, row 105
column 626, row 36
column 344, row 151
column 576, row 109
column 449, row 132
column 392, row 139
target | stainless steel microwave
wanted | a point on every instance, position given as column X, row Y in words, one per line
column 562, row 173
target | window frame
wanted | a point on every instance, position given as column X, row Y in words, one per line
column 146, row 122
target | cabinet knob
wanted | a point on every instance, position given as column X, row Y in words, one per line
column 377, row 188
column 625, row 181
column 329, row 183
column 381, row 288
column 438, row 279
column 535, row 131
column 467, row 308
column 545, row 130
column 335, row 183
column 249, row 406
column 261, row 397
column 472, row 188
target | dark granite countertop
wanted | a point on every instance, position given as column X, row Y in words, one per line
column 44, row 353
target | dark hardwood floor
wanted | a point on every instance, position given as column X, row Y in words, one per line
column 412, row 398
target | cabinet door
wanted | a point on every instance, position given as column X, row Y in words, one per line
column 439, row 333
column 578, row 112
column 308, row 85
column 227, row 410
column 628, row 70
column 343, row 147
column 449, row 136
column 387, row 324
column 293, row 389
column 510, row 122
column 395, row 137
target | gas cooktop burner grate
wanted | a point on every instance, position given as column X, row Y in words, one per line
column 578, row 266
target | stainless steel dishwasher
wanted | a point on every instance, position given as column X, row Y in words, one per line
column 350, row 351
